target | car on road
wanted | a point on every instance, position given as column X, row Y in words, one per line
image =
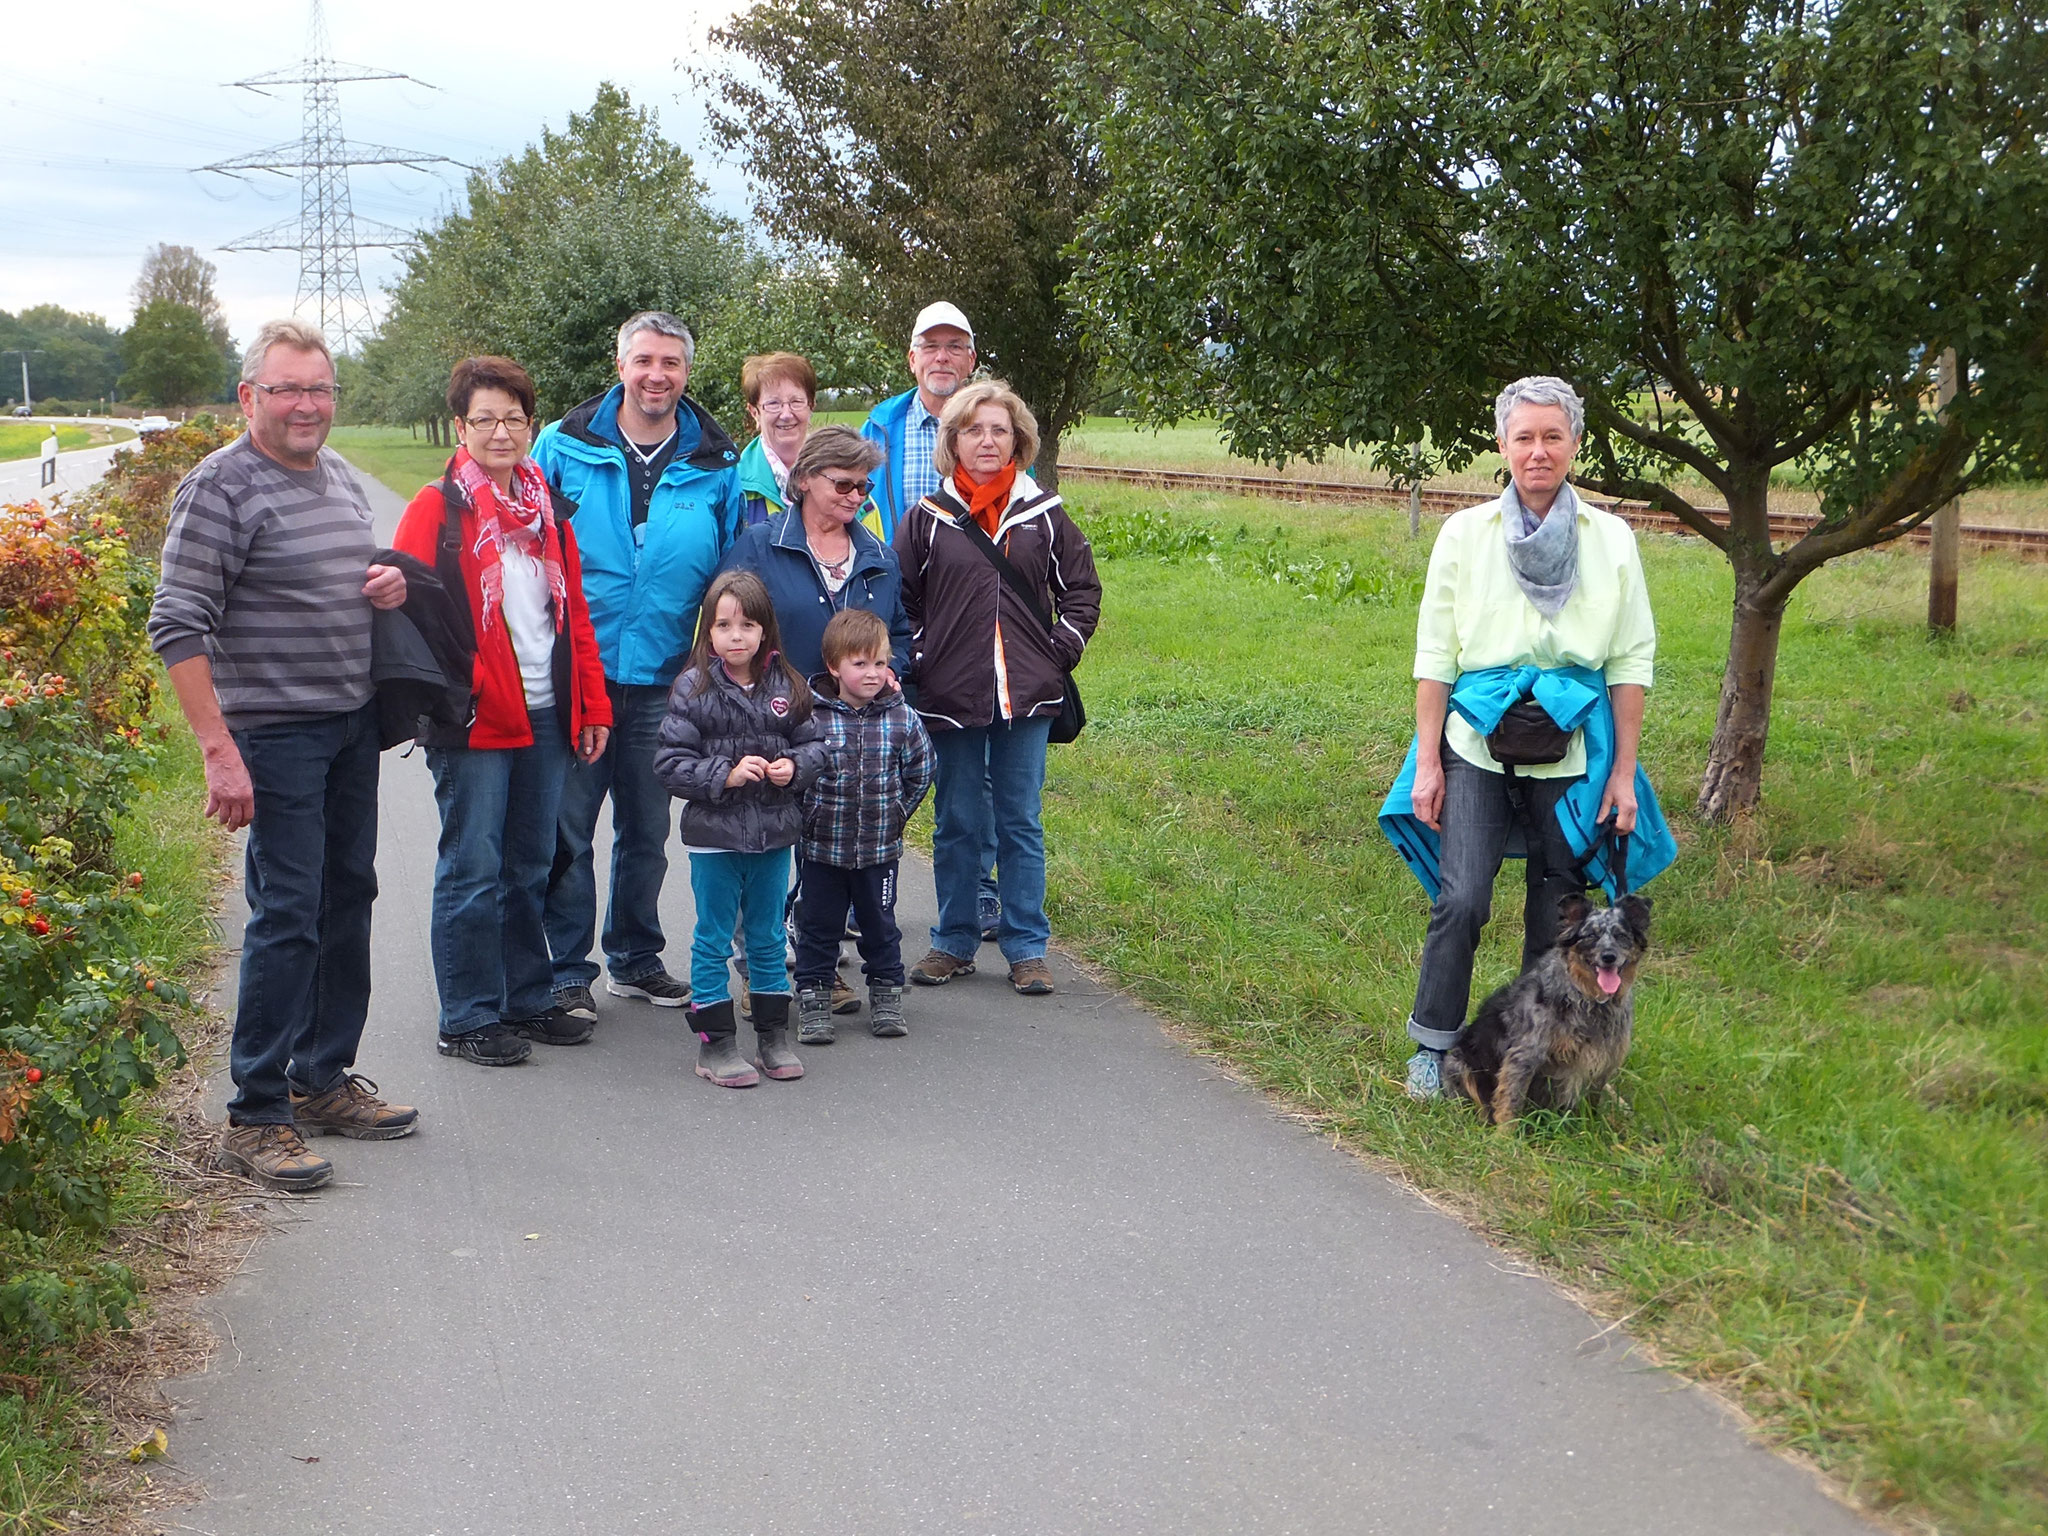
column 153, row 424
column 24, row 410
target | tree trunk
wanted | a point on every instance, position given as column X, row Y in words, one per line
column 1735, row 760
column 1046, row 469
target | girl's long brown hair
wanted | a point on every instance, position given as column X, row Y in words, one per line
column 747, row 589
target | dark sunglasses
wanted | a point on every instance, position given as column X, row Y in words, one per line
column 849, row 487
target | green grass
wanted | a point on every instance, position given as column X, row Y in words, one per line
column 25, row 439
column 53, row 1451
column 391, row 454
column 1830, row 1194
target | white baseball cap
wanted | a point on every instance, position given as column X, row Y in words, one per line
column 940, row 313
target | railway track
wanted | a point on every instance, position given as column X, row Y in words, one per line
column 2028, row 543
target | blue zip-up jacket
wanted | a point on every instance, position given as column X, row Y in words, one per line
column 644, row 593
column 1576, row 698
column 776, row 552
column 885, row 425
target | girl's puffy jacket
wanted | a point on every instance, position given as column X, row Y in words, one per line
column 712, row 722
column 501, row 722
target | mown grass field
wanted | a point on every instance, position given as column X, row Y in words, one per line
column 1829, row 1194
column 25, row 439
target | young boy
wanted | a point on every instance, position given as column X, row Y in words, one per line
column 881, row 764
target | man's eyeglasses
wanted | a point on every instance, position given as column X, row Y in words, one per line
column 488, row 425
column 946, row 348
column 849, row 487
column 292, row 394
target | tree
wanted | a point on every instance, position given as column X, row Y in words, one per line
column 922, row 143
column 795, row 304
column 557, row 247
column 81, row 354
column 171, row 358
column 1745, row 228
column 180, row 274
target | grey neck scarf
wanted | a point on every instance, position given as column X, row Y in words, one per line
column 1543, row 553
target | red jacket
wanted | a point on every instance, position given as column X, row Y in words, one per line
column 501, row 722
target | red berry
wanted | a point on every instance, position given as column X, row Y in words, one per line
column 34, row 1074
column 40, row 924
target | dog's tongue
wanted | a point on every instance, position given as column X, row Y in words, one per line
column 1610, row 982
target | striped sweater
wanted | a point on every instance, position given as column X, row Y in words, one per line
column 263, row 571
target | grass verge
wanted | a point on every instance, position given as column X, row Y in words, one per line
column 1830, row 1194
column 25, row 439
column 66, row 1412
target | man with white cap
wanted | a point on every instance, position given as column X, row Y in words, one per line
column 907, row 426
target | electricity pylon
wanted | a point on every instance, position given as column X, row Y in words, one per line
column 326, row 233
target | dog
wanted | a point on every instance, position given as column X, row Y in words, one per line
column 1559, row 1032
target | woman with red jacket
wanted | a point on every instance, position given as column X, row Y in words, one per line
column 492, row 527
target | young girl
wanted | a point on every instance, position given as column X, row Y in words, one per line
column 739, row 746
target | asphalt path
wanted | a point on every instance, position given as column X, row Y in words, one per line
column 1034, row 1269
column 22, row 479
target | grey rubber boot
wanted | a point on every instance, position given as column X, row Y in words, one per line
column 885, row 1012
column 814, row 1024
column 718, row 1058
column 773, row 1053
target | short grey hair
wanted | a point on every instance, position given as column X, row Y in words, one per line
column 296, row 334
column 831, row 448
column 1540, row 389
column 662, row 323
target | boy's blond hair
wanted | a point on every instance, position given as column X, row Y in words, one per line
column 854, row 632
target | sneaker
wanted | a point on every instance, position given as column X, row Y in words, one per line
column 885, row 1012
column 814, row 1024
column 351, row 1108
column 1031, row 977
column 657, row 987
column 1426, row 1075
column 577, row 1003
column 938, row 968
column 492, row 1046
column 558, row 1026
column 988, row 912
column 844, row 998
column 273, row 1155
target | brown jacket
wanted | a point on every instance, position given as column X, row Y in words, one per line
column 977, row 654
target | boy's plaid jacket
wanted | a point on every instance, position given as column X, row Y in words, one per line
column 880, row 763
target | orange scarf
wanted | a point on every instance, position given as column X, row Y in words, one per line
column 988, row 500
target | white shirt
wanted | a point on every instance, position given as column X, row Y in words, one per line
column 529, row 616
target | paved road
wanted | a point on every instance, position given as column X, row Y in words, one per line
column 21, row 479
column 1035, row 1269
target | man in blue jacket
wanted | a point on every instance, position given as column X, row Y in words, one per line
column 657, row 491
column 907, row 426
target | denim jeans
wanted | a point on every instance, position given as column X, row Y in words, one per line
column 1479, row 815
column 641, row 821
column 747, row 888
column 311, row 876
column 990, row 775
column 498, row 809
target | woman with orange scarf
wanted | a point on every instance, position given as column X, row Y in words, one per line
column 989, row 673
column 493, row 529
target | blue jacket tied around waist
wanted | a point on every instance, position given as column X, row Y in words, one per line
column 1576, row 698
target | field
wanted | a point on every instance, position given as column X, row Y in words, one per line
column 24, row 439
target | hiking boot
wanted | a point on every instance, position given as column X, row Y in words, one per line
column 718, row 1058
column 773, row 1053
column 351, row 1108
column 656, row 987
column 272, row 1155
column 1031, row 977
column 492, row 1046
column 1426, row 1075
column 577, row 1003
column 814, row 1024
column 938, row 968
column 558, row 1026
column 844, row 998
column 885, row 1012
column 988, row 916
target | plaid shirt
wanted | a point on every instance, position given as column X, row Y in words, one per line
column 880, row 764
column 920, row 438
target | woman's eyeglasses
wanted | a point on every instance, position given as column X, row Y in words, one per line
column 848, row 487
column 488, row 425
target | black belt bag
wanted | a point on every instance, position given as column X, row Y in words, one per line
column 1527, row 737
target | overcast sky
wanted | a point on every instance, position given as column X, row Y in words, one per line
column 106, row 111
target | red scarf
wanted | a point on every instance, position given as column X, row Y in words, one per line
column 987, row 500
column 527, row 524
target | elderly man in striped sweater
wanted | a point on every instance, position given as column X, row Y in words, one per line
column 263, row 623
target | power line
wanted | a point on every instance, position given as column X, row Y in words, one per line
column 326, row 233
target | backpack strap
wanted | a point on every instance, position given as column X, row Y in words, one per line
column 978, row 537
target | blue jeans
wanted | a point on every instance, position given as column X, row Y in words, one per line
column 498, row 810
column 990, row 775
column 311, row 876
column 640, row 827
column 1482, row 810
column 731, row 888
